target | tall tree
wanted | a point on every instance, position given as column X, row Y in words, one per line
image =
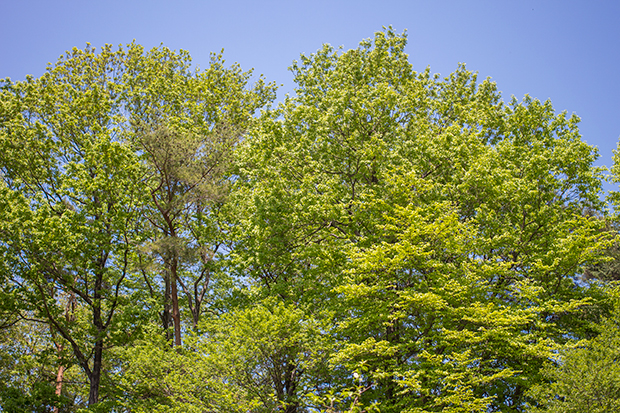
column 71, row 198
column 186, row 125
column 79, row 172
column 483, row 208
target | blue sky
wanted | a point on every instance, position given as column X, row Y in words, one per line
column 567, row 51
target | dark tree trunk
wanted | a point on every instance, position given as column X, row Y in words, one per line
column 167, row 314
column 99, row 324
column 95, row 377
column 176, row 314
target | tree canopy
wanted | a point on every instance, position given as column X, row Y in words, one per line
column 383, row 240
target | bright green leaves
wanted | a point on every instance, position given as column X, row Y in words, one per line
column 408, row 297
column 81, row 169
column 614, row 196
column 400, row 242
column 156, row 378
column 251, row 359
column 442, row 230
column 328, row 73
column 271, row 351
column 428, row 322
column 161, row 87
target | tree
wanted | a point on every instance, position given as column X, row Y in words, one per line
column 442, row 229
column 584, row 378
column 79, row 176
column 400, row 242
column 425, row 325
column 27, row 370
column 71, row 199
column 246, row 360
column 186, row 125
column 157, row 378
column 608, row 269
column 271, row 352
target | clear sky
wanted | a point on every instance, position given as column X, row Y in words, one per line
column 564, row 50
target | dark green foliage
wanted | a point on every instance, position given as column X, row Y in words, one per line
column 585, row 378
column 40, row 399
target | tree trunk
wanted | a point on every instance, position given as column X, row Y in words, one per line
column 176, row 314
column 59, row 379
column 290, row 380
column 167, row 314
column 95, row 377
column 70, row 317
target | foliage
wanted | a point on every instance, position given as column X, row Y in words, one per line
column 247, row 360
column 185, row 125
column 384, row 240
column 71, row 203
column 423, row 325
column 442, row 229
column 269, row 350
column 27, row 374
column 155, row 378
column 585, row 378
column 75, row 187
column 40, row 399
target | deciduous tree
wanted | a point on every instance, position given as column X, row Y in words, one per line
column 584, row 378
column 88, row 152
column 442, row 228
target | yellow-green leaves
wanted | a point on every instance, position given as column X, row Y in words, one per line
column 79, row 184
column 444, row 231
column 401, row 242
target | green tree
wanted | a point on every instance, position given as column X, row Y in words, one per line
column 157, row 378
column 269, row 351
column 89, row 152
column 608, row 269
column 400, row 242
column 585, row 378
column 426, row 327
column 186, row 124
column 70, row 199
column 27, row 370
column 253, row 358
column 440, row 229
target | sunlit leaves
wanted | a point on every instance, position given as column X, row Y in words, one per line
column 441, row 229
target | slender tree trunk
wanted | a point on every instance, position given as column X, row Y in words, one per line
column 171, row 263
column 70, row 317
column 167, row 314
column 95, row 377
column 176, row 314
column 59, row 379
column 172, row 314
